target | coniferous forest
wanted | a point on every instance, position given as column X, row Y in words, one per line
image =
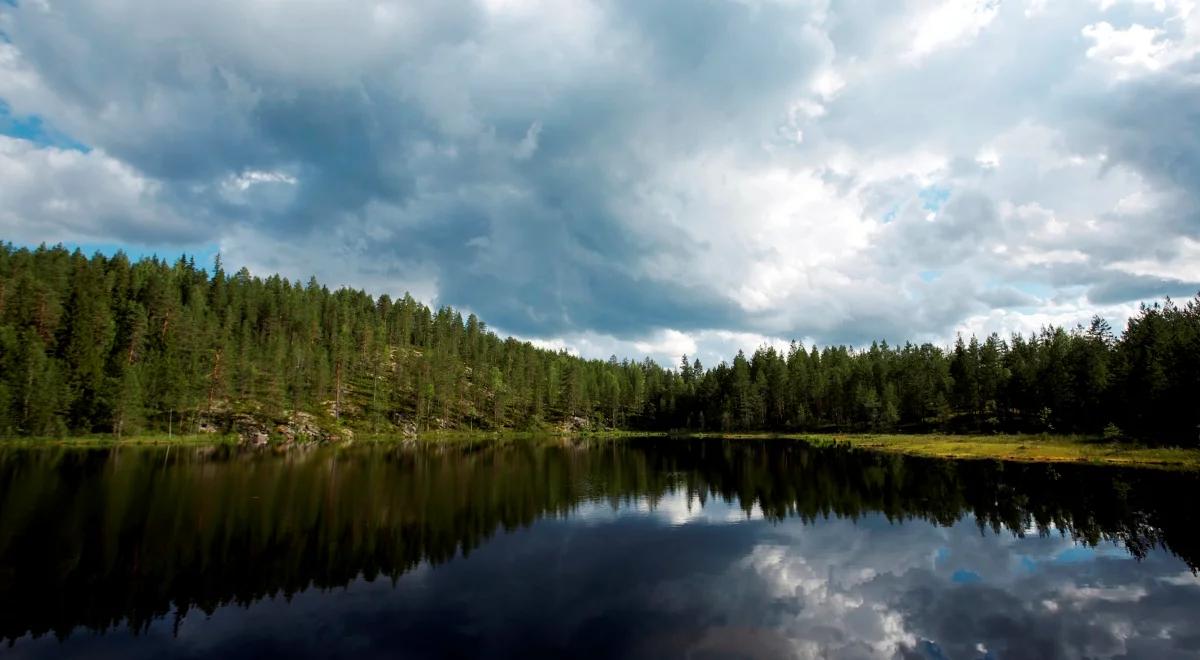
column 105, row 345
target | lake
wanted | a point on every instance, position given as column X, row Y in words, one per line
column 649, row 548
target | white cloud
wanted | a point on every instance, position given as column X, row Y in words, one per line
column 665, row 346
column 50, row 195
column 668, row 342
column 251, row 177
column 1129, row 49
column 529, row 143
column 1064, row 314
column 1183, row 263
column 950, row 23
column 1138, row 49
column 679, row 507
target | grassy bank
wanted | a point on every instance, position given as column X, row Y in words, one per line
column 1027, row 448
column 107, row 440
column 451, row 436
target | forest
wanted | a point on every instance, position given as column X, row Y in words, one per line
column 105, row 345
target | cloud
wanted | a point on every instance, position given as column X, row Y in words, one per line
column 624, row 175
column 52, row 194
column 874, row 589
column 951, row 23
column 1135, row 287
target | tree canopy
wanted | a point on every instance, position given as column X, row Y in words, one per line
column 105, row 345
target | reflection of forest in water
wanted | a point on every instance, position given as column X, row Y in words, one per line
column 94, row 538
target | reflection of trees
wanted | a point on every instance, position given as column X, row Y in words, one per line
column 94, row 539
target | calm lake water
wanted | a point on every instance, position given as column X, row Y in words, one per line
column 648, row 548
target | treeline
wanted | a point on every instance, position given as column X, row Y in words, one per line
column 105, row 345
column 1145, row 384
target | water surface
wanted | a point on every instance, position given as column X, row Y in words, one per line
column 641, row 548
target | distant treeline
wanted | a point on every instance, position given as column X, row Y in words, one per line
column 105, row 345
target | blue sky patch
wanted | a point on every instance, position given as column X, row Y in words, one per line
column 933, row 198
column 931, row 650
column 1076, row 554
column 1082, row 553
column 203, row 255
column 35, row 129
column 963, row 576
column 1034, row 289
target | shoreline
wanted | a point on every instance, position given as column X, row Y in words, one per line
column 1024, row 448
column 1019, row 448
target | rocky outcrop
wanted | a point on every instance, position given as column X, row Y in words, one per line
column 575, row 425
column 406, row 427
column 299, row 427
column 296, row 428
column 251, row 431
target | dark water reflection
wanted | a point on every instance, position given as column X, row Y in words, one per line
column 640, row 548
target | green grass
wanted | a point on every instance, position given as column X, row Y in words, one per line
column 106, row 440
column 210, row 439
column 1026, row 448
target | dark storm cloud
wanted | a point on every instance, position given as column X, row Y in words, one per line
column 1120, row 287
column 1157, row 123
column 1007, row 296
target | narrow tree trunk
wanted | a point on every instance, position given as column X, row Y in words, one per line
column 212, row 379
column 25, row 399
column 374, row 392
column 337, row 391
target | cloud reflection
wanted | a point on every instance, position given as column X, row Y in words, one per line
column 646, row 548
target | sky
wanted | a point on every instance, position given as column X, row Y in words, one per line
column 629, row 177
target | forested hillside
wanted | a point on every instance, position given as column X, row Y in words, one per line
column 102, row 345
